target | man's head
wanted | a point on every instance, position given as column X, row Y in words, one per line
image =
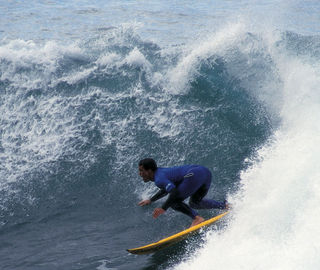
column 147, row 168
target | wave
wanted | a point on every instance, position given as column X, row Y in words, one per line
column 77, row 117
column 274, row 220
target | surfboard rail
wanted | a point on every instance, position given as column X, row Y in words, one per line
column 174, row 238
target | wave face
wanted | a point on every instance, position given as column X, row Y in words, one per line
column 78, row 114
column 274, row 220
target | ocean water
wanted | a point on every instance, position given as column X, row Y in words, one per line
column 88, row 88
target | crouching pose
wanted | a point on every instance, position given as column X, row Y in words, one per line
column 180, row 182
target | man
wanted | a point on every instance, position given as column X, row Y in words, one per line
column 179, row 182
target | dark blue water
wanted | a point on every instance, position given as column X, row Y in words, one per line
column 84, row 97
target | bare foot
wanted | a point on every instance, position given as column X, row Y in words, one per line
column 228, row 206
column 197, row 221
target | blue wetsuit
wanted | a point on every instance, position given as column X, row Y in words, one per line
column 182, row 182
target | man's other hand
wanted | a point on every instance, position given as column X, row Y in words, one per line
column 144, row 202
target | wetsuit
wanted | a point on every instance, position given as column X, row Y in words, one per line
column 182, row 182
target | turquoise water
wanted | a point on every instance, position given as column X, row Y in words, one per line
column 89, row 88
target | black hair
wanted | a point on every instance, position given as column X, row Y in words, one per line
column 148, row 163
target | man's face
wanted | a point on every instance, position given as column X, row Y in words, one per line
column 147, row 175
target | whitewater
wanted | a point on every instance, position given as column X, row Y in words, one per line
column 274, row 223
column 88, row 89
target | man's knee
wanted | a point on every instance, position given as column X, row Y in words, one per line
column 193, row 204
column 175, row 206
column 198, row 195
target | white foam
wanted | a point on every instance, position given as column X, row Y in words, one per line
column 275, row 220
column 39, row 60
column 103, row 265
column 180, row 76
column 37, row 132
column 136, row 58
column 108, row 60
column 76, row 76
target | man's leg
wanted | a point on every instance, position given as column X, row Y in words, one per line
column 185, row 209
column 191, row 183
column 197, row 200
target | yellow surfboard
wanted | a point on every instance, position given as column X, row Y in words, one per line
column 173, row 238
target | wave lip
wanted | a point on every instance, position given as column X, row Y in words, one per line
column 181, row 75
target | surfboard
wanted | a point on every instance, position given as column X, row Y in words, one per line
column 174, row 238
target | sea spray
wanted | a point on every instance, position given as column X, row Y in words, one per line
column 274, row 219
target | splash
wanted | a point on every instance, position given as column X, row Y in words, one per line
column 275, row 215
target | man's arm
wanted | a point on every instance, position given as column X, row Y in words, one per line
column 171, row 199
column 161, row 193
column 165, row 184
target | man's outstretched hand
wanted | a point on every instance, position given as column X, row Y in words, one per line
column 157, row 212
column 144, row 202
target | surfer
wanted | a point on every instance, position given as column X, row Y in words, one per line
column 180, row 182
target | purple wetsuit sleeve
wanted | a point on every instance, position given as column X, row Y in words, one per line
column 163, row 182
